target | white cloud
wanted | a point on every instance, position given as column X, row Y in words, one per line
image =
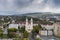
column 41, row 6
column 34, row 6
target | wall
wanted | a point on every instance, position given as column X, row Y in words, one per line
column 45, row 32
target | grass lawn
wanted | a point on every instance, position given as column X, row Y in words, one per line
column 5, row 36
column 24, row 39
column 21, row 39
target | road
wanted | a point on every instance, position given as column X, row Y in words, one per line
column 49, row 38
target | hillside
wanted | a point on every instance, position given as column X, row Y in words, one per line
column 42, row 14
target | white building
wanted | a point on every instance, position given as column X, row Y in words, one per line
column 47, row 30
column 21, row 25
column 48, row 27
column 29, row 26
column 13, row 26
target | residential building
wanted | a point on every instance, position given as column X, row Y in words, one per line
column 57, row 29
column 46, row 29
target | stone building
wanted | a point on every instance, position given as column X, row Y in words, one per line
column 57, row 29
column 29, row 26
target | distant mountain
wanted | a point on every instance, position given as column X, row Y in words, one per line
column 36, row 14
column 42, row 14
column 5, row 13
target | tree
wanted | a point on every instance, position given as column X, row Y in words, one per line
column 24, row 39
column 38, row 39
column 1, row 32
column 11, row 34
column 25, row 34
column 36, row 29
column 12, row 30
column 22, row 29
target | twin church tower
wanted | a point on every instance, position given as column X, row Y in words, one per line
column 29, row 26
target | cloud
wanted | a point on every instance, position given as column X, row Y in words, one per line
column 41, row 6
column 26, row 6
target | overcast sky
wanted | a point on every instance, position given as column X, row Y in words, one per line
column 27, row 6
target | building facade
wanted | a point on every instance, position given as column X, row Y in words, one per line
column 29, row 26
column 57, row 29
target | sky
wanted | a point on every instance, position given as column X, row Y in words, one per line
column 28, row 6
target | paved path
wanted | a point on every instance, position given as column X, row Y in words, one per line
column 49, row 38
column 5, row 31
column 6, row 39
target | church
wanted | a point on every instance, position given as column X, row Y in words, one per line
column 29, row 26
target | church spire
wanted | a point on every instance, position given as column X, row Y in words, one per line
column 29, row 26
column 31, row 21
column 26, row 22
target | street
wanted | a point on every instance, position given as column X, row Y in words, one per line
column 49, row 38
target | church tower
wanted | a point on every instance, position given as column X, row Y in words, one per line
column 26, row 22
column 29, row 26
